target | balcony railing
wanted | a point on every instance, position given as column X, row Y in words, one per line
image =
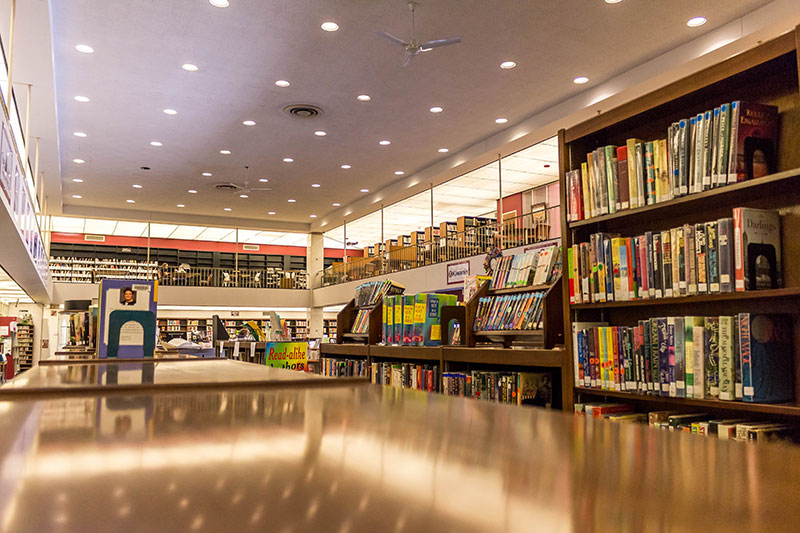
column 522, row 230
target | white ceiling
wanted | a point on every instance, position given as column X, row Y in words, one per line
column 243, row 49
column 10, row 292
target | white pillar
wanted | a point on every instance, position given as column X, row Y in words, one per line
column 315, row 262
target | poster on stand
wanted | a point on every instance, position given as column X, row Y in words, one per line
column 125, row 295
column 289, row 355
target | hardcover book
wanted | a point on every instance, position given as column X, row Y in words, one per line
column 753, row 141
column 757, row 249
column 711, row 341
column 766, row 351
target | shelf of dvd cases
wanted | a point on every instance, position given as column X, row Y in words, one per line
column 766, row 176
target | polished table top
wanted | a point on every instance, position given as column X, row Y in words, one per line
column 371, row 458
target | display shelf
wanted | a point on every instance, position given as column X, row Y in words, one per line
column 515, row 290
column 327, row 348
column 427, row 353
column 767, row 294
column 554, row 358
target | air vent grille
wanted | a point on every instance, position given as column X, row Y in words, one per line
column 303, row 110
column 94, row 238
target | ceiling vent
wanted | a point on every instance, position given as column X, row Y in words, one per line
column 225, row 187
column 303, row 110
column 94, row 238
column 250, row 247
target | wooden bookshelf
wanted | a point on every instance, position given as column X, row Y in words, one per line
column 767, row 74
column 346, row 318
column 499, row 356
column 420, row 353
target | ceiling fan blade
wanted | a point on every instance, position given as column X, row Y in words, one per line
column 440, row 42
column 407, row 59
column 392, row 38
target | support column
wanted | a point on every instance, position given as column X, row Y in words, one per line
column 315, row 262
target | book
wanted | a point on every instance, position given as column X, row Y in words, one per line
column 609, row 155
column 699, row 349
column 680, row 356
column 712, row 257
column 725, row 259
column 711, row 349
column 766, row 355
column 757, row 249
column 726, row 355
column 397, row 337
column 409, row 301
column 689, row 325
column 622, row 177
column 723, row 150
column 753, row 141
column 701, row 248
column 632, row 171
column 666, row 264
column 650, row 169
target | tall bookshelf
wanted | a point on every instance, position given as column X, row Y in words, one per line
column 766, row 74
column 23, row 346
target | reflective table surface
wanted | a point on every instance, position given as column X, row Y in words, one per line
column 371, row 458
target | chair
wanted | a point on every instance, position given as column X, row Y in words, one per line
column 226, row 279
column 207, row 282
column 257, row 280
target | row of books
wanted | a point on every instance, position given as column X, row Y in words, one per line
column 533, row 267
column 731, row 143
column 369, row 293
column 745, row 357
column 510, row 312
column 361, row 322
column 730, row 254
column 694, row 423
column 521, row 388
column 414, row 319
column 406, row 375
column 336, row 367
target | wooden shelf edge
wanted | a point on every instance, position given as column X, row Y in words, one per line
column 528, row 288
column 766, row 408
column 720, row 192
column 555, row 358
column 429, row 353
column 344, row 349
column 509, row 332
column 699, row 298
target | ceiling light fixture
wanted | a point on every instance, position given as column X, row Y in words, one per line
column 84, row 48
column 180, row 205
column 329, row 26
column 225, row 152
column 282, row 83
column 169, row 111
column 131, row 201
column 77, row 180
column 219, row 3
column 249, row 122
column 385, row 143
column 398, row 172
column 507, row 65
column 82, row 99
column 696, row 21
column 188, row 67
column 271, row 213
column 156, row 143
column 207, row 174
column 501, row 120
column 580, row 80
column 243, row 196
column 227, row 209
column 613, row 1
column 79, row 134
column 192, row 191
column 315, row 185
column 364, row 190
column 363, row 98
column 263, row 180
column 346, row 167
column 78, row 161
column 137, row 186
column 436, row 109
column 77, row 196
column 292, row 200
column 288, row 160
column 336, row 204
column 320, row 133
column 443, row 150
column 313, row 216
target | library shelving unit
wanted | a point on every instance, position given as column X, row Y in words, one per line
column 180, row 327
column 346, row 318
column 766, row 74
column 23, row 346
column 76, row 270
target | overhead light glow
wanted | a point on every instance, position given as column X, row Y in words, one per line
column 363, row 98
column 79, row 134
column 320, row 133
column 227, row 209
column 507, row 65
column 313, row 216
column 436, row 109
column 219, row 3
column 78, row 161
column 613, row 1
column 336, row 204
column 192, row 191
column 315, row 185
column 243, row 196
column 131, row 201
column 385, row 143
column 288, row 160
column 292, row 200
column 501, row 120
column 77, row 180
column 207, row 174
column 329, row 26
column 271, row 213
column 84, row 48
column 282, row 83
column 263, row 180
column 346, row 167
column 225, row 152
column 180, row 205
column 249, row 122
column 364, row 190
column 188, row 67
column 156, row 143
column 77, row 196
column 580, row 80
column 695, row 22
column 169, row 111
column 443, row 150
column 137, row 186
column 82, row 99
column 398, row 172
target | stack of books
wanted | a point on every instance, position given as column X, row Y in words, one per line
column 737, row 253
column 361, row 322
column 510, row 312
column 335, row 367
column 369, row 293
column 406, row 375
column 414, row 319
column 730, row 143
column 744, row 357
column 534, row 267
column 521, row 388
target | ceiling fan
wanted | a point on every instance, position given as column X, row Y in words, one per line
column 243, row 191
column 413, row 47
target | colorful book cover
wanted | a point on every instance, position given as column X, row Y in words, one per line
column 711, row 348
column 753, row 141
column 726, row 364
column 662, row 343
column 680, row 357
column 420, row 302
column 673, row 390
column 387, row 319
column 712, row 257
column 616, row 243
column 757, row 249
column 650, row 168
column 666, row 263
column 700, row 249
column 120, row 295
column 408, row 318
column 767, row 357
column 397, row 337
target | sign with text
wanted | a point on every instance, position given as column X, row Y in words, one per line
column 290, row 355
column 125, row 295
column 457, row 272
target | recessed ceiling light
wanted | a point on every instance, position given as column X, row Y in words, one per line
column 398, row 172
column 77, row 196
column 180, row 205
column 288, row 160
column 613, row 1
column 436, row 109
column 336, row 204
column 364, row 190
column 313, row 216
column 137, row 186
column 282, row 83
column 225, row 152
column 188, row 67
column 84, row 48
column 249, row 122
column 443, row 150
column 227, row 209
column 156, row 143
column 169, row 111
column 695, row 22
column 292, row 200
column 207, row 174
column 263, row 180
column 348, row 213
column 131, row 201
column 77, row 180
column 329, row 26
column 243, row 196
column 192, row 191
column 506, row 65
column 363, row 98
column 82, row 99
column 219, row 3
column 315, row 185
column 78, row 161
column 385, row 143
column 501, row 120
column 271, row 213
column 320, row 133
column 79, row 134
column 580, row 80
column 346, row 167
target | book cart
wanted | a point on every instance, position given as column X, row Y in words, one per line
column 766, row 74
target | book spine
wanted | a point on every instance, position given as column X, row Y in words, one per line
column 683, row 163
column 611, row 178
column 708, row 135
column 622, row 177
column 724, row 142
column 633, row 181
column 733, row 137
column 673, row 385
column 699, row 164
column 692, row 154
column 712, row 357
column 677, row 267
column 650, row 168
column 680, row 358
column 715, row 149
column 666, row 263
column 688, row 354
column 644, row 287
column 726, row 365
column 712, row 259
column 641, row 173
column 699, row 348
column 690, row 264
column 701, row 249
column 745, row 355
column 587, row 202
column 607, row 254
column 662, row 344
column 658, row 280
column 725, row 239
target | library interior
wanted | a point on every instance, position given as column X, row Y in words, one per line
column 427, row 265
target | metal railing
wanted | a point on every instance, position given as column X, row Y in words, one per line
column 522, row 230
